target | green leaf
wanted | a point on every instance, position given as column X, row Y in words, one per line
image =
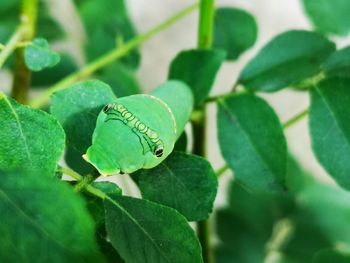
column 303, row 238
column 95, row 204
column 110, row 254
column 330, row 127
column 246, row 225
column 253, row 220
column 183, row 181
column 142, row 231
column 49, row 76
column 331, row 255
column 108, row 26
column 121, row 79
column 252, row 142
column 38, row 55
column 240, row 242
column 338, row 64
column 297, row 178
column 258, row 210
column 108, row 188
column 328, row 208
column 96, row 209
column 329, row 16
column 197, row 68
column 77, row 108
column 9, row 10
column 287, row 59
column 224, row 255
column 235, row 31
column 30, row 139
column 181, row 143
column 6, row 30
column 43, row 220
column 8, row 5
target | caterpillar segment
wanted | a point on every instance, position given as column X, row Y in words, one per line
column 148, row 138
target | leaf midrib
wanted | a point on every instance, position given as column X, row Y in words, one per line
column 249, row 139
column 181, row 183
column 20, row 129
column 334, row 115
column 140, row 227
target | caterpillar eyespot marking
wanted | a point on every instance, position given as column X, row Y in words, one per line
column 107, row 107
column 148, row 138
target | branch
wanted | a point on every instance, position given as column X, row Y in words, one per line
column 296, row 118
column 22, row 75
column 109, row 57
column 10, row 46
column 205, row 36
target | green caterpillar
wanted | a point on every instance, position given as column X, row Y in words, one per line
column 139, row 131
column 117, row 111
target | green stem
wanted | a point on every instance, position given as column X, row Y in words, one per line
column 216, row 98
column 10, row 46
column 206, row 17
column 110, row 57
column 71, row 173
column 205, row 36
column 96, row 192
column 222, row 170
column 22, row 75
column 295, row 119
column 85, row 181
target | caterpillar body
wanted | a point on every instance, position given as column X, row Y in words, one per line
column 148, row 138
column 139, row 131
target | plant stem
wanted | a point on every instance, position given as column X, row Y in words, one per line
column 10, row 46
column 71, row 173
column 223, row 96
column 83, row 183
column 22, row 75
column 205, row 36
column 110, row 57
column 222, row 170
column 206, row 16
column 96, row 192
column 295, row 119
column 19, row 44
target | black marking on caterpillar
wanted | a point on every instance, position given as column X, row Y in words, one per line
column 147, row 137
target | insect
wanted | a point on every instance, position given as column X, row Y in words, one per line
column 149, row 139
column 139, row 131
